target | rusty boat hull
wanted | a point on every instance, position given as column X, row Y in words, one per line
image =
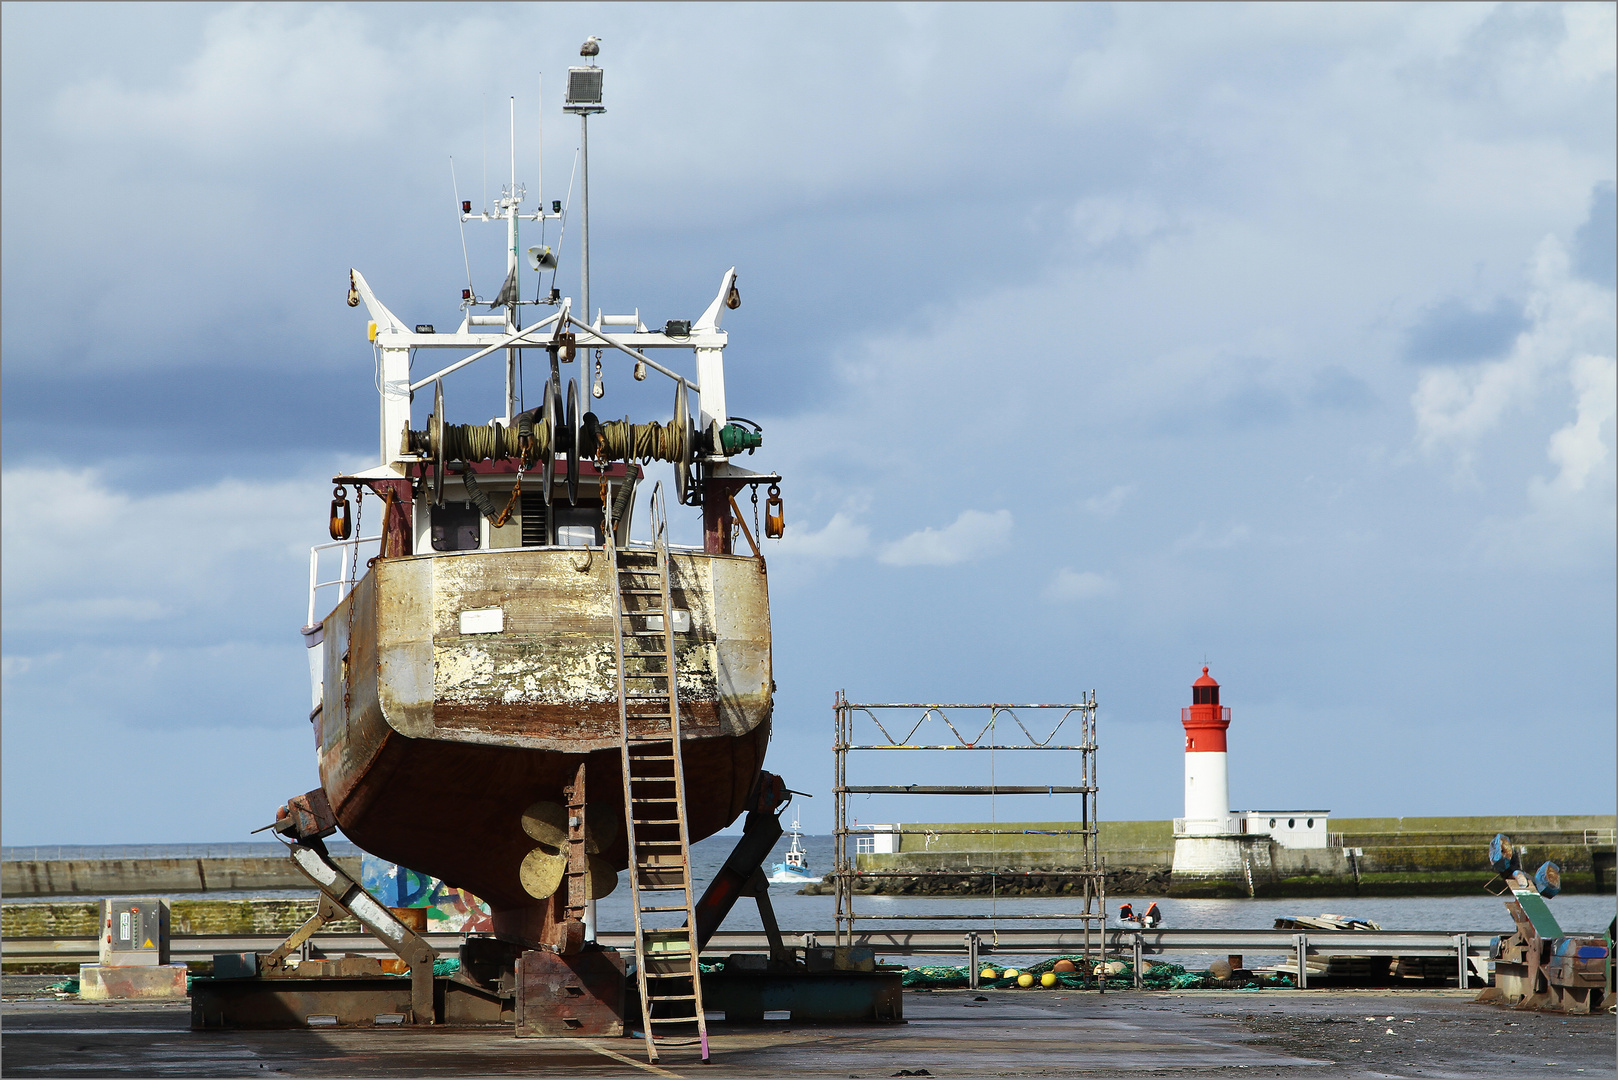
column 433, row 741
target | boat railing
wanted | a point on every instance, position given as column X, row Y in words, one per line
column 348, row 569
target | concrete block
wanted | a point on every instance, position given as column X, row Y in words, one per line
column 101, row 982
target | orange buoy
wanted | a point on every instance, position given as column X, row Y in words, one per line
column 1064, row 966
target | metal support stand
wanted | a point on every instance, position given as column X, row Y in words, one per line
column 342, row 895
column 758, row 887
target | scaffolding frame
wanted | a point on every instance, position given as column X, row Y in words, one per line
column 904, row 718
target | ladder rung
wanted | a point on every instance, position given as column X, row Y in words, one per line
column 664, row 696
column 641, row 592
column 656, row 821
column 662, row 888
column 662, row 907
column 651, row 757
column 656, row 843
column 670, row 1020
column 670, row 997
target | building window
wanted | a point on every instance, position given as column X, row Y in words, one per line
column 1292, row 823
column 865, row 845
column 1272, row 823
column 1309, row 824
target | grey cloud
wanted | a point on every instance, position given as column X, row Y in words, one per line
column 1337, row 388
column 1453, row 331
column 1595, row 245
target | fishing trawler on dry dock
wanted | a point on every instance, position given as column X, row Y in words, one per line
column 525, row 648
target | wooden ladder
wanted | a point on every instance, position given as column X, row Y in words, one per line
column 666, row 955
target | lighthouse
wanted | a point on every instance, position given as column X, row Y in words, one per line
column 1222, row 852
column 1207, row 784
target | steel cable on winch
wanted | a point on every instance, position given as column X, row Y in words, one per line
column 482, row 442
column 650, row 442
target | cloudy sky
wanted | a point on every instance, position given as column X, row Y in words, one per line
column 1095, row 343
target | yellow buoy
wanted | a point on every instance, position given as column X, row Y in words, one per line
column 987, row 973
column 1048, row 979
column 1009, row 973
column 1025, row 981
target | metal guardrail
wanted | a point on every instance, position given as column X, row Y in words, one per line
column 1136, row 944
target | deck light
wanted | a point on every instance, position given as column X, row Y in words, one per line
column 466, row 206
column 466, row 294
column 556, row 206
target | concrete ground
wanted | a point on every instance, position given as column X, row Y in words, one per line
column 1271, row 1033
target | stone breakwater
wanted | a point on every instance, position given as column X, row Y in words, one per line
column 1038, row 881
column 1364, row 856
column 78, row 919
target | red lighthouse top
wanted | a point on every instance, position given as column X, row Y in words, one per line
column 1205, row 720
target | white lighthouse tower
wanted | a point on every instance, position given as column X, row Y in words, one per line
column 1211, row 856
column 1207, row 783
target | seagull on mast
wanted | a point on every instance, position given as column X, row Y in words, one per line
column 591, row 46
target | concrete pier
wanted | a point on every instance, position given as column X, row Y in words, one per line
column 126, row 877
column 1270, row 1033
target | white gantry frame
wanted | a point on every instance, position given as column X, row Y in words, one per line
column 394, row 341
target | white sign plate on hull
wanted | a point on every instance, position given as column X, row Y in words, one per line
column 483, row 621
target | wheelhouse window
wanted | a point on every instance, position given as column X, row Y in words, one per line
column 455, row 527
column 578, row 526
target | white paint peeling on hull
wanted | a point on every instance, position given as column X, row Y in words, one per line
column 555, row 644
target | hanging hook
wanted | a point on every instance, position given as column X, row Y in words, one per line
column 341, row 525
column 774, row 514
column 598, row 388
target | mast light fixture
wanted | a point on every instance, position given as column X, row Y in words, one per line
column 584, row 90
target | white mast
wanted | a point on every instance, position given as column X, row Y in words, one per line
column 584, row 98
column 511, row 270
column 584, row 213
